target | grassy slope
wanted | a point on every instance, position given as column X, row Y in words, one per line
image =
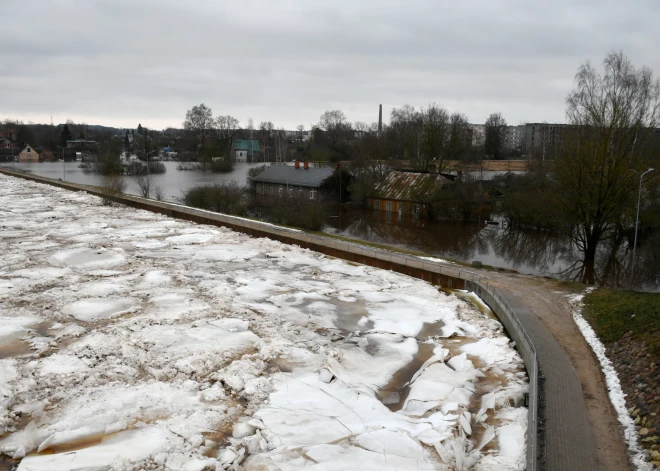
column 612, row 313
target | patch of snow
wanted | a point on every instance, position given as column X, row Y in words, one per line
column 617, row 397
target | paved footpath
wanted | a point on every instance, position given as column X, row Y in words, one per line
column 569, row 437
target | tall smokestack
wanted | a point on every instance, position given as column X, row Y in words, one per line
column 380, row 119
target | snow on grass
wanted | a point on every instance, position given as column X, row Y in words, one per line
column 160, row 344
column 617, row 397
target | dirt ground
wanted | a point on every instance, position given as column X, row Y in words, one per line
column 548, row 300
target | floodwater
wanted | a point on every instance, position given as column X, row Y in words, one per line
column 530, row 252
column 173, row 182
column 534, row 252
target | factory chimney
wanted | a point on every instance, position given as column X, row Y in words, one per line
column 380, row 119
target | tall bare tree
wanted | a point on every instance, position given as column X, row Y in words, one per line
column 335, row 125
column 199, row 120
column 265, row 131
column 281, row 145
column 458, row 146
column 613, row 116
column 495, row 135
column 424, row 135
column 226, row 128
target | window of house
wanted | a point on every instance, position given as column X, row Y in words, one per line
column 290, row 192
column 271, row 189
column 240, row 154
column 376, row 205
column 263, row 187
column 400, row 210
column 281, row 190
column 311, row 194
column 300, row 192
column 388, row 206
column 416, row 211
column 28, row 149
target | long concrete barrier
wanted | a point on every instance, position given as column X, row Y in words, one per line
column 432, row 272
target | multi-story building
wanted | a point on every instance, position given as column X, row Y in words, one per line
column 514, row 137
column 477, row 134
column 542, row 136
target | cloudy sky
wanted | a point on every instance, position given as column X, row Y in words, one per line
column 121, row 63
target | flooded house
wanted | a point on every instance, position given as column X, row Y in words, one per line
column 407, row 194
column 299, row 181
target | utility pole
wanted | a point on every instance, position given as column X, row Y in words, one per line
column 63, row 162
column 639, row 199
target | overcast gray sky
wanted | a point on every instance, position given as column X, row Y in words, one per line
column 121, row 63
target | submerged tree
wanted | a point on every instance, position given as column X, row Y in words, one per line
column 613, row 117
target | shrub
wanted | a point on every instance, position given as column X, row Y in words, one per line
column 145, row 184
column 228, row 198
column 189, row 166
column 114, row 185
column 157, row 167
column 222, row 166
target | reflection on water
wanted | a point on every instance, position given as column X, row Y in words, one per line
column 532, row 252
column 525, row 251
column 174, row 182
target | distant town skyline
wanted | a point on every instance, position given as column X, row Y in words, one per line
column 123, row 63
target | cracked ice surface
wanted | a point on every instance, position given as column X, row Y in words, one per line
column 129, row 340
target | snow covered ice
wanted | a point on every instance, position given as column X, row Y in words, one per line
column 129, row 340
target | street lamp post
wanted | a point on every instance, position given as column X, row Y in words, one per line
column 63, row 163
column 639, row 199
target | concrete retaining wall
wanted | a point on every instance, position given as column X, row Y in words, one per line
column 435, row 273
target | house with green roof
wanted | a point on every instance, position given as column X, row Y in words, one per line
column 245, row 150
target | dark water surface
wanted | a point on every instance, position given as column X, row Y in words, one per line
column 526, row 251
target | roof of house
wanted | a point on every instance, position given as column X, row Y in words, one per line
column 409, row 186
column 244, row 144
column 285, row 174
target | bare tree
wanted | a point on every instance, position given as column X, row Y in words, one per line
column 495, row 135
column 458, row 146
column 265, row 130
column 145, row 185
column 423, row 134
column 159, row 193
column 301, row 131
column 281, row 145
column 199, row 120
column 226, row 128
column 613, row 118
column 335, row 125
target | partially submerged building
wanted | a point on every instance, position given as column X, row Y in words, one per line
column 299, row 181
column 407, row 193
column 245, row 150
